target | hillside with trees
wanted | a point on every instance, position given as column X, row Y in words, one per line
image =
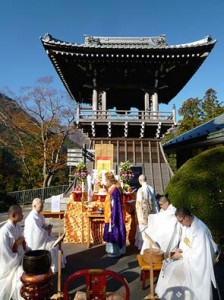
column 34, row 136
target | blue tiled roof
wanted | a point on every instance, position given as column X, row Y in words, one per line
column 205, row 129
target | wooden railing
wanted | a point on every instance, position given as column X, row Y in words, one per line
column 123, row 115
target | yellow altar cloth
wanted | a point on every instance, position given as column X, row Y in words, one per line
column 76, row 223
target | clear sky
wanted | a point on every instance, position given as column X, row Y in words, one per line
column 22, row 23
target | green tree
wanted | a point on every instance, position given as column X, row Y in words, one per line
column 211, row 107
column 197, row 111
column 191, row 111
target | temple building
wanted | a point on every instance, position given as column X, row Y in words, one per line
column 197, row 140
column 118, row 84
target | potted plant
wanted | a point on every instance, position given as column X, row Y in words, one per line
column 80, row 173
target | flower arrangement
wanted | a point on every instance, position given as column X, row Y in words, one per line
column 125, row 172
column 81, row 171
column 126, row 188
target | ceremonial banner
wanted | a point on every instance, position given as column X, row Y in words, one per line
column 104, row 157
column 103, row 162
column 103, row 165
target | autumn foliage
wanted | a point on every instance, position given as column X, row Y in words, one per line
column 35, row 128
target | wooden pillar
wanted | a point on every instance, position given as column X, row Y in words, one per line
column 118, row 152
column 147, row 101
column 155, row 108
column 134, row 153
column 147, row 107
column 174, row 114
column 104, row 104
column 94, row 101
column 125, row 150
column 77, row 114
column 155, row 102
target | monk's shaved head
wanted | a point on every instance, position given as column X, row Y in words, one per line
column 142, row 178
column 14, row 210
column 15, row 214
column 36, row 201
column 38, row 204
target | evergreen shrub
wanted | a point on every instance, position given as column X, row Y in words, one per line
column 199, row 186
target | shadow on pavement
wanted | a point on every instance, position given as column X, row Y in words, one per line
column 96, row 258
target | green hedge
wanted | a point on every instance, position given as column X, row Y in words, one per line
column 199, row 186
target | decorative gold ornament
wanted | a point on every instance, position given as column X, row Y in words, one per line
column 187, row 242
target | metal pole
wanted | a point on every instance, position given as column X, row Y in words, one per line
column 84, row 153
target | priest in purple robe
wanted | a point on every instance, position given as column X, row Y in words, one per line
column 114, row 229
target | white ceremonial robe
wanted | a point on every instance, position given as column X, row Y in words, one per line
column 163, row 229
column 191, row 277
column 144, row 203
column 38, row 238
column 10, row 263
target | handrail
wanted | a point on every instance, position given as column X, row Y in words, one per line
column 27, row 196
column 165, row 159
column 127, row 115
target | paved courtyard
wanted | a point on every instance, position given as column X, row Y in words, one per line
column 80, row 257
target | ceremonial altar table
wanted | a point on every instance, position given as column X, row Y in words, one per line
column 54, row 215
column 95, row 226
column 78, row 223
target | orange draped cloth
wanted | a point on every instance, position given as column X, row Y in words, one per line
column 76, row 223
column 107, row 207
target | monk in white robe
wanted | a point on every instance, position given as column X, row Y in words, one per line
column 37, row 233
column 189, row 274
column 12, row 249
column 163, row 228
column 145, row 205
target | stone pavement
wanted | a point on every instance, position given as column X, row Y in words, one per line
column 79, row 257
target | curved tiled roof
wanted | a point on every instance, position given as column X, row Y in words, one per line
column 203, row 130
column 127, row 42
column 126, row 67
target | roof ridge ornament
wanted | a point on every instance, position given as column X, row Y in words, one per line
column 47, row 37
column 153, row 41
column 91, row 40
